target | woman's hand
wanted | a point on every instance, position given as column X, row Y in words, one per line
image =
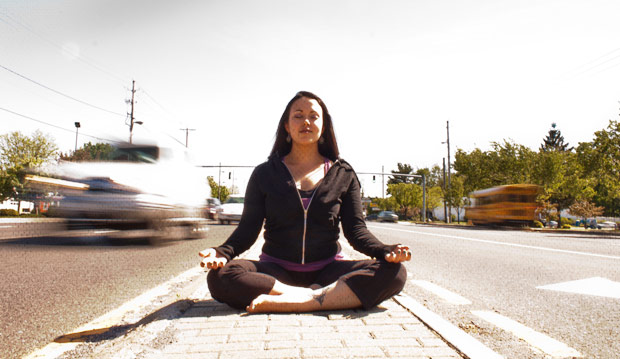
column 399, row 254
column 212, row 259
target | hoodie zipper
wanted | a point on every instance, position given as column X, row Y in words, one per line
column 301, row 202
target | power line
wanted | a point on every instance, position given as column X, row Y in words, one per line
column 55, row 126
column 61, row 49
column 60, row 93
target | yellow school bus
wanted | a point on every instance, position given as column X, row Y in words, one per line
column 509, row 204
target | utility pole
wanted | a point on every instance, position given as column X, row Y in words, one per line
column 132, row 120
column 77, row 127
column 382, row 183
column 449, row 219
column 445, row 210
column 187, row 134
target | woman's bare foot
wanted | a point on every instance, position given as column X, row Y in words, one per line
column 283, row 303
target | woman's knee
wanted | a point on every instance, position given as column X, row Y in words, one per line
column 394, row 275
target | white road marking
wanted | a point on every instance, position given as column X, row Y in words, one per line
column 128, row 313
column 502, row 243
column 464, row 342
column 7, row 226
column 597, row 286
column 538, row 340
column 443, row 293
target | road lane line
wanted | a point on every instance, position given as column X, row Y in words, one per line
column 128, row 313
column 501, row 243
column 443, row 293
column 541, row 341
column 464, row 342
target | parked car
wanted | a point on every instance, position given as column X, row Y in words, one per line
column 147, row 190
column 231, row 209
column 387, row 216
column 214, row 207
column 371, row 217
column 606, row 225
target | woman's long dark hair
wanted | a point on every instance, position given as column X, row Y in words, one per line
column 329, row 147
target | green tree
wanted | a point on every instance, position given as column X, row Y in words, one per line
column 217, row 191
column 505, row 163
column 554, row 141
column 90, row 152
column 406, row 195
column 561, row 177
column 585, row 209
column 453, row 196
column 434, row 196
column 402, row 169
column 386, row 204
column 600, row 160
column 18, row 154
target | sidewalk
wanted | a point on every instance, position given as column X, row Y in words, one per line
column 196, row 326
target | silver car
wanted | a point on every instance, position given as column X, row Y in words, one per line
column 146, row 190
column 387, row 216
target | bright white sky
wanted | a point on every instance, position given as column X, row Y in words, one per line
column 391, row 72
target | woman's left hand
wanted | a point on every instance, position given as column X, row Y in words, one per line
column 399, row 254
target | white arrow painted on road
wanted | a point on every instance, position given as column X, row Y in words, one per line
column 598, row 286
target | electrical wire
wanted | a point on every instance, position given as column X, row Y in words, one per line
column 56, row 126
column 60, row 93
column 594, row 64
column 60, row 48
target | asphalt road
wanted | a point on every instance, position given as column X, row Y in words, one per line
column 52, row 285
column 499, row 271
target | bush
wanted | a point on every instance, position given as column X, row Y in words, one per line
column 537, row 224
column 8, row 213
column 566, row 226
column 564, row 221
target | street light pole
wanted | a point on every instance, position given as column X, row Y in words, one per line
column 449, row 219
column 77, row 126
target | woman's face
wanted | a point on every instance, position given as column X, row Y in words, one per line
column 305, row 121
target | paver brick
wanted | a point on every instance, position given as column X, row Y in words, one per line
column 264, row 354
column 371, row 328
column 404, row 352
column 336, row 336
column 240, row 338
column 187, row 339
column 395, row 334
column 304, row 344
column 343, row 353
column 389, row 320
column 355, row 342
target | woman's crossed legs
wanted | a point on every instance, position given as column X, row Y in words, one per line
column 267, row 287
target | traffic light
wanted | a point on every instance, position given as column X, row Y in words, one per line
column 373, row 178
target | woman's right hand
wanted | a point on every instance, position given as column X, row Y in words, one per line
column 212, row 259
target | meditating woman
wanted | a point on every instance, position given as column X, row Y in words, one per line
column 302, row 194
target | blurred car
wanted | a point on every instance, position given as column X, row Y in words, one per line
column 214, row 207
column 150, row 190
column 606, row 225
column 387, row 216
column 231, row 209
column 553, row 224
column 371, row 217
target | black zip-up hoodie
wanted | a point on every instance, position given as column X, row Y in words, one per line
column 298, row 235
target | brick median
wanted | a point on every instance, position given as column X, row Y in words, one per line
column 209, row 329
